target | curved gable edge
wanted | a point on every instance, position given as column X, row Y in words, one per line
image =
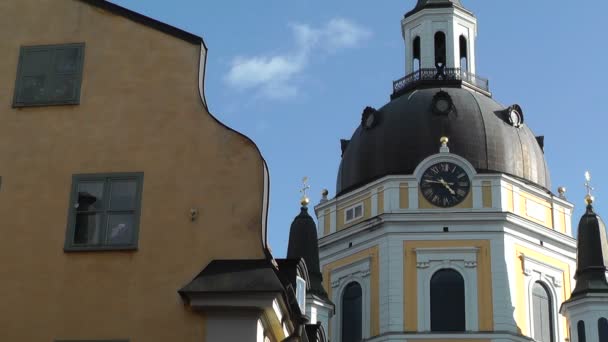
column 266, row 192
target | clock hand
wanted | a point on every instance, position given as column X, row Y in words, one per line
column 447, row 186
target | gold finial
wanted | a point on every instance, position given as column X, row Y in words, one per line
column 444, row 145
column 562, row 192
column 304, row 201
column 589, row 198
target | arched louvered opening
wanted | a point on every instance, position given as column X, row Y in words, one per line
column 447, row 301
column 542, row 309
column 602, row 329
column 440, row 49
column 580, row 331
column 352, row 312
column 416, row 54
column 464, row 54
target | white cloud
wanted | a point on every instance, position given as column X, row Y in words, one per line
column 272, row 76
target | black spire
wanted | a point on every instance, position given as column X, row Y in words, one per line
column 434, row 4
column 303, row 243
column 592, row 255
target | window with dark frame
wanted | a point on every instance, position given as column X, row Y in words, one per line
column 448, row 312
column 49, row 75
column 602, row 329
column 580, row 329
column 104, row 212
column 352, row 313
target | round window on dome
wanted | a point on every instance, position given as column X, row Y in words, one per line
column 442, row 103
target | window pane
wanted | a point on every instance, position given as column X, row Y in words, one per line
column 67, row 60
column 123, row 194
column 87, row 230
column 120, row 229
column 447, row 301
column 64, row 88
column 33, row 89
column 349, row 215
column 352, row 312
column 358, row 211
column 36, row 62
column 90, row 196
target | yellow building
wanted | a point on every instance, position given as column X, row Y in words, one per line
column 444, row 226
column 119, row 187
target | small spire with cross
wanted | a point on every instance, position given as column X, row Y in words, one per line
column 305, row 187
column 589, row 197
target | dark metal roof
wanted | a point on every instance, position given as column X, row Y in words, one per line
column 422, row 4
column 235, row 276
column 147, row 21
column 303, row 243
column 592, row 256
column 408, row 131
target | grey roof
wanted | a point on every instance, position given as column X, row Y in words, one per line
column 303, row 243
column 592, row 256
column 408, row 131
column 422, row 4
column 234, row 276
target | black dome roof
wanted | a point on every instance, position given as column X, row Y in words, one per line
column 408, row 131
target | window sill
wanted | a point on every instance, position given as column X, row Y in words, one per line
column 131, row 248
column 47, row 104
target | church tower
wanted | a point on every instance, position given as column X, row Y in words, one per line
column 303, row 244
column 587, row 308
column 444, row 225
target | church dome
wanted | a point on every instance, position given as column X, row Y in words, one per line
column 396, row 138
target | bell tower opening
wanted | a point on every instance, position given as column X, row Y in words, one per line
column 464, row 57
column 416, row 54
column 440, row 50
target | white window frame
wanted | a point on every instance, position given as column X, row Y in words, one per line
column 301, row 293
column 358, row 272
column 551, row 277
column 354, row 210
column 460, row 259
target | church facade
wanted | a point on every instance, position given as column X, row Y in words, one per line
column 445, row 226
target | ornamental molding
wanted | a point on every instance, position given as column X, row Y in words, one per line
column 465, row 256
column 535, row 268
column 357, row 270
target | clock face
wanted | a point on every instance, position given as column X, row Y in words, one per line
column 445, row 184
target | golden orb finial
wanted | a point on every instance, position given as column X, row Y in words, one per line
column 444, row 140
column 589, row 199
column 304, row 201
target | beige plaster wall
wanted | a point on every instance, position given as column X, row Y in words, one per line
column 140, row 111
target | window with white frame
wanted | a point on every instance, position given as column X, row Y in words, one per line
column 353, row 213
column 301, row 293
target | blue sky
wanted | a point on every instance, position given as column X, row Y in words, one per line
column 295, row 76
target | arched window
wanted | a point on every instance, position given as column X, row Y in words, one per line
column 543, row 313
column 447, row 301
column 602, row 329
column 440, row 49
column 464, row 54
column 352, row 312
column 580, row 329
column 416, row 53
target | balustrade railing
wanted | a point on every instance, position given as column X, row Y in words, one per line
column 440, row 75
